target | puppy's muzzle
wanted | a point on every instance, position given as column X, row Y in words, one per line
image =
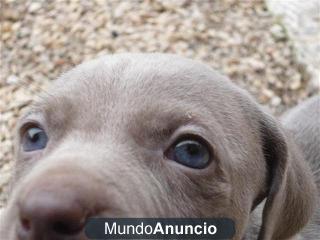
column 56, row 206
column 44, row 213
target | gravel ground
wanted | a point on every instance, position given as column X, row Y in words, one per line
column 42, row 39
column 302, row 22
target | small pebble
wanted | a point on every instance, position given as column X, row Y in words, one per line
column 12, row 79
column 278, row 32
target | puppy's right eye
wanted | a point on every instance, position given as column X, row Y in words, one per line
column 34, row 138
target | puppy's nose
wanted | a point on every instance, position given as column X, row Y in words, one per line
column 49, row 214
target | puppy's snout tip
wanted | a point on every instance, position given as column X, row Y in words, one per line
column 43, row 213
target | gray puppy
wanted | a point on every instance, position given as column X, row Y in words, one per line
column 155, row 135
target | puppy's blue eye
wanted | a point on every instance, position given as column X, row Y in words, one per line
column 34, row 139
column 191, row 153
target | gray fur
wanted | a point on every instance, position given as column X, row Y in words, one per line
column 109, row 122
column 303, row 122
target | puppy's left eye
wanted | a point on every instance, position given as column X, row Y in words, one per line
column 34, row 139
column 191, row 153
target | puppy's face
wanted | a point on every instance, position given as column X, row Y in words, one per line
column 136, row 136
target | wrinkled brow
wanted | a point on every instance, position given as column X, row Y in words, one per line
column 49, row 110
column 158, row 126
column 31, row 112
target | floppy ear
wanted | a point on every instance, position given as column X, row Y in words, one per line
column 292, row 192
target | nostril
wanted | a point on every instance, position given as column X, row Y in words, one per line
column 24, row 231
column 62, row 228
column 25, row 223
column 67, row 228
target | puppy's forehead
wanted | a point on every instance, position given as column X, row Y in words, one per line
column 117, row 88
column 146, row 74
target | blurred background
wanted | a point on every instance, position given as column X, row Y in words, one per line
column 260, row 45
